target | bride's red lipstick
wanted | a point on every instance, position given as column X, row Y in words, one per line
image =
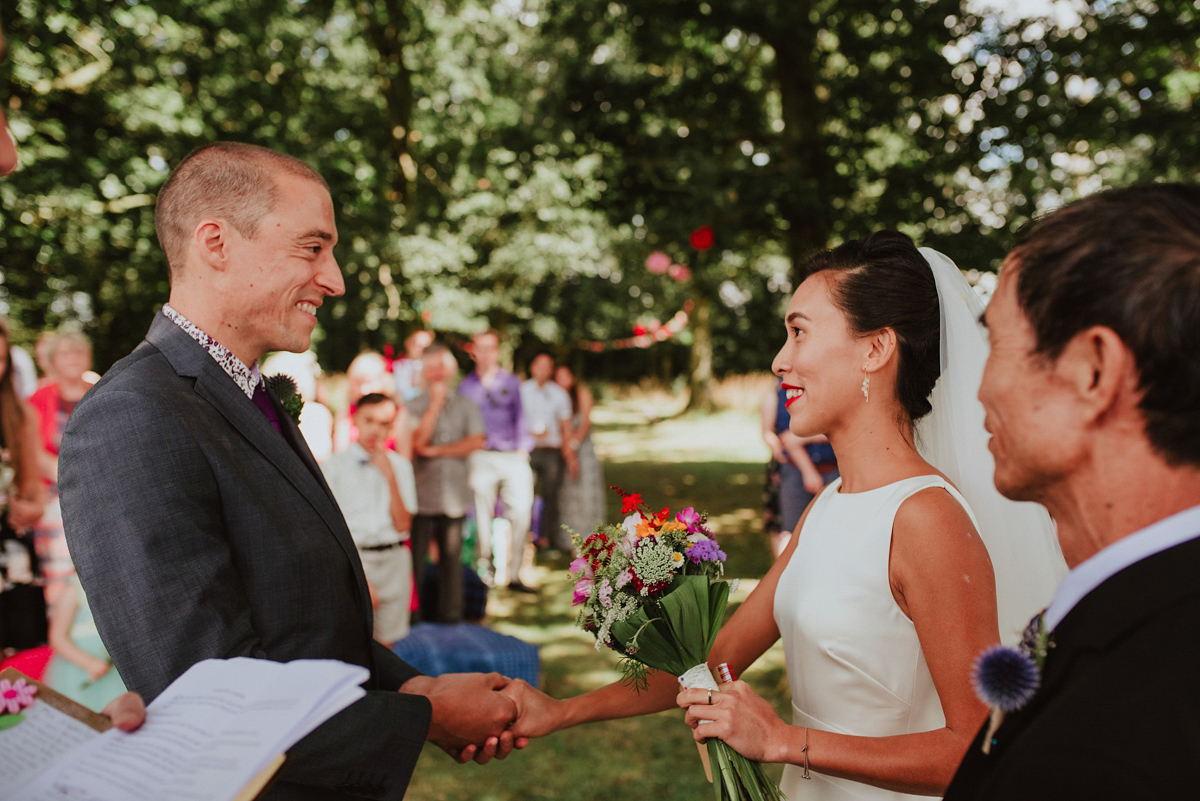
column 787, row 403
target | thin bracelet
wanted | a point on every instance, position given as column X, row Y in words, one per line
column 804, row 751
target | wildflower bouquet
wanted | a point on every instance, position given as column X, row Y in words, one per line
column 651, row 589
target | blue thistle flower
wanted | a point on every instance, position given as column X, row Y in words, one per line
column 1005, row 678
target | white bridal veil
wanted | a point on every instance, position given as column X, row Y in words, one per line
column 1019, row 536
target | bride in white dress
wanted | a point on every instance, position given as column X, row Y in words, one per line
column 889, row 590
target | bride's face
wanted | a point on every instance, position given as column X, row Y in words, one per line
column 821, row 361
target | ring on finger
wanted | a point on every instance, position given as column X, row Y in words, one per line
column 710, row 697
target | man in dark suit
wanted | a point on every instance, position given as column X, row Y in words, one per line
column 199, row 522
column 1092, row 394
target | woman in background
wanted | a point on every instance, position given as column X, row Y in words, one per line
column 581, row 501
column 69, row 356
column 22, row 502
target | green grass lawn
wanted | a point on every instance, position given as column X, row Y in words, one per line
column 712, row 462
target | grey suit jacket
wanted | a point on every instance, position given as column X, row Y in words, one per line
column 199, row 531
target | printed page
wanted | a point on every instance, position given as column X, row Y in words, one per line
column 32, row 745
column 207, row 735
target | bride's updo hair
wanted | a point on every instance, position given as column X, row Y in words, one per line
column 883, row 282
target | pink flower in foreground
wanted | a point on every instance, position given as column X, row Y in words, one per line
column 15, row 695
column 688, row 516
column 583, row 590
column 580, row 565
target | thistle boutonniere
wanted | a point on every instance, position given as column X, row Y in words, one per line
column 284, row 387
column 1006, row 678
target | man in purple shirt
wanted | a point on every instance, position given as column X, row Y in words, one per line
column 501, row 469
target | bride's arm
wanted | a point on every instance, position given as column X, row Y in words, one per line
column 942, row 579
column 744, row 638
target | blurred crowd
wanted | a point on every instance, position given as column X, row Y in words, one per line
column 450, row 484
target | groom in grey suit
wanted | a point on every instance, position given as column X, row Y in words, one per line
column 198, row 520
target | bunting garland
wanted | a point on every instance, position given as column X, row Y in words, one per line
column 644, row 335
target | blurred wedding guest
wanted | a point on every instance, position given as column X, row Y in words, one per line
column 581, row 502
column 316, row 421
column 69, row 355
column 548, row 415
column 43, row 347
column 449, row 429
column 406, row 371
column 799, row 469
column 376, row 492
column 80, row 669
column 368, row 374
column 128, row 711
column 501, row 468
column 22, row 501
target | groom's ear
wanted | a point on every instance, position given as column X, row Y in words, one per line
column 1101, row 372
column 211, row 243
column 881, row 349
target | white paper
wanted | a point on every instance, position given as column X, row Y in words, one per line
column 35, row 743
column 207, row 735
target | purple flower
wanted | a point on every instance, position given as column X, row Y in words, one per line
column 705, row 551
column 1005, row 678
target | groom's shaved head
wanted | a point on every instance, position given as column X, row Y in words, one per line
column 229, row 181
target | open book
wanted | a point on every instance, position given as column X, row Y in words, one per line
column 218, row 733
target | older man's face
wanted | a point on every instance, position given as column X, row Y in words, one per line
column 1036, row 436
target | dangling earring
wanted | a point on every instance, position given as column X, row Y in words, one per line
column 866, row 388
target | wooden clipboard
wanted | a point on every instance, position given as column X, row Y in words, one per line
column 48, row 695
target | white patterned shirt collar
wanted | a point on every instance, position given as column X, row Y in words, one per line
column 1101, row 566
column 247, row 378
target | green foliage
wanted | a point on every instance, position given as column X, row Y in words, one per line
column 513, row 164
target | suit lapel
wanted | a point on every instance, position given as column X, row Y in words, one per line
column 1106, row 615
column 288, row 453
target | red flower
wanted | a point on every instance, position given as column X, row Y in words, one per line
column 702, row 238
column 630, row 503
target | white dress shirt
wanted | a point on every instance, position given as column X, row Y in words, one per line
column 363, row 494
column 546, row 406
column 1103, row 565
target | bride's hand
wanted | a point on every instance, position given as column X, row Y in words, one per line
column 740, row 717
column 537, row 713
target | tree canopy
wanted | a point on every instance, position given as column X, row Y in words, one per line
column 540, row 166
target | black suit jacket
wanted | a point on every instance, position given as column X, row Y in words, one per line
column 199, row 531
column 1118, row 712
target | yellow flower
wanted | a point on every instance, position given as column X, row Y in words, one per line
column 674, row 525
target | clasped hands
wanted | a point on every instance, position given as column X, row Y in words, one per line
column 479, row 716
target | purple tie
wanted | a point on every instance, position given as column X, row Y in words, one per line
column 263, row 402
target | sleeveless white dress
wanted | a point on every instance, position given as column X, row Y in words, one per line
column 854, row 663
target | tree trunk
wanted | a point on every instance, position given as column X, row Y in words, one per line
column 387, row 26
column 701, row 373
column 805, row 160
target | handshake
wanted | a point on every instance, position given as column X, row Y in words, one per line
column 481, row 716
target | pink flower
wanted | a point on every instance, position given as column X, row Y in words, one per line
column 658, row 262
column 679, row 272
column 15, row 695
column 688, row 516
column 581, row 567
column 583, row 590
